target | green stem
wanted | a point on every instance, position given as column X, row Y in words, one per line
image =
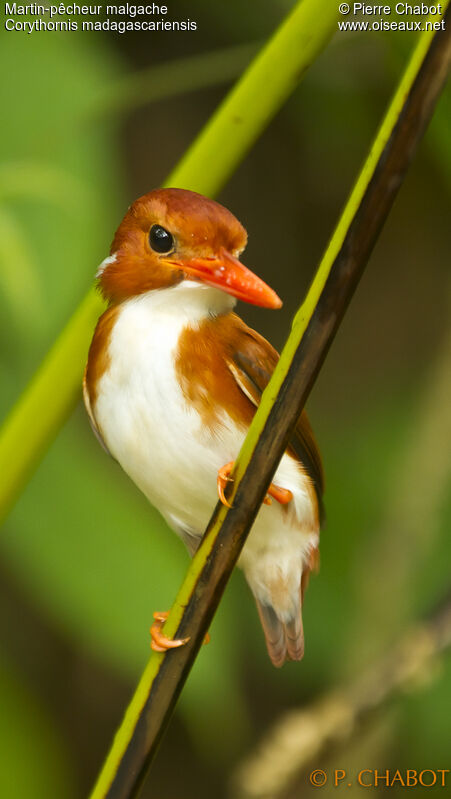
column 181, row 75
column 51, row 395
column 264, row 87
column 314, row 328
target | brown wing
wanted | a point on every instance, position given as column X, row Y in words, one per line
column 98, row 362
column 95, row 429
column 252, row 363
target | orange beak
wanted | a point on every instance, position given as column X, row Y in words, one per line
column 225, row 272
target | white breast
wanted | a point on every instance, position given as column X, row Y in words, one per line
column 160, row 441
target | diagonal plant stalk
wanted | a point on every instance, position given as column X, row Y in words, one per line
column 171, row 78
column 221, row 145
column 313, row 331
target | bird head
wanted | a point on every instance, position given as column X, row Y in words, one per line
column 172, row 235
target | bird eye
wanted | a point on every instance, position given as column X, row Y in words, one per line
column 160, row 239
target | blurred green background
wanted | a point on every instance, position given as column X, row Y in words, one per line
column 84, row 560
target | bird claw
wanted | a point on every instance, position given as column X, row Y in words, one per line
column 281, row 495
column 223, row 479
column 160, row 642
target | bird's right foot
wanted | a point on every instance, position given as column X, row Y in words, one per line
column 160, row 642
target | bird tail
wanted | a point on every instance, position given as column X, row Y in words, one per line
column 284, row 640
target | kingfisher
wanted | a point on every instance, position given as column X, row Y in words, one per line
column 172, row 382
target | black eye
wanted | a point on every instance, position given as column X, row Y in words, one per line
column 160, row 239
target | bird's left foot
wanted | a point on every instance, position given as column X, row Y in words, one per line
column 282, row 495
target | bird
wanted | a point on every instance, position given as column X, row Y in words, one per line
column 172, row 381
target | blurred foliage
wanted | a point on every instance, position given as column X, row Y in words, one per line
column 58, row 190
column 84, row 551
column 35, row 763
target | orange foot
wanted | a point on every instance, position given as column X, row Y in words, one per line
column 282, row 495
column 160, row 642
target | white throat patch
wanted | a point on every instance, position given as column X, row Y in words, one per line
column 106, row 262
